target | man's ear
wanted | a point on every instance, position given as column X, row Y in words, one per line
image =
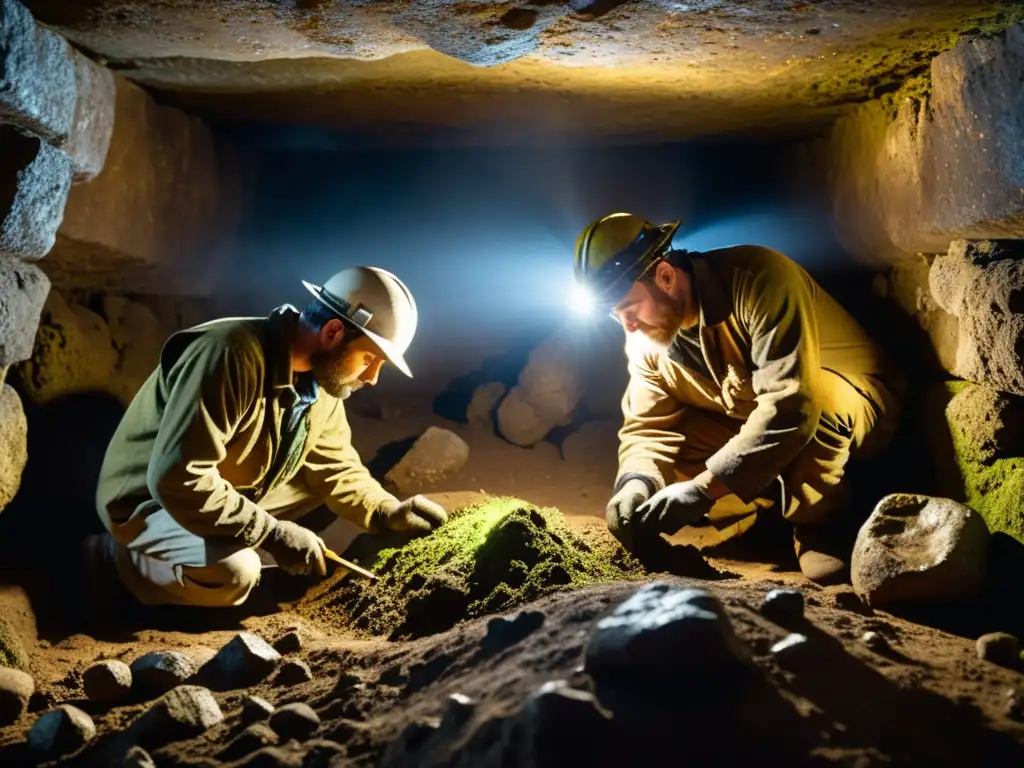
column 331, row 334
column 665, row 276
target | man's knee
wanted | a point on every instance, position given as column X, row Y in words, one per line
column 225, row 583
column 242, row 569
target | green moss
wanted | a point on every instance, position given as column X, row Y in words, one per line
column 994, row 488
column 12, row 653
column 488, row 558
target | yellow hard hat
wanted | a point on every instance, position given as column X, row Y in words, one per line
column 615, row 250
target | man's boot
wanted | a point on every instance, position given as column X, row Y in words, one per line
column 823, row 555
column 105, row 600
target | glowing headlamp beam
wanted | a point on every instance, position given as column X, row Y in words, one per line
column 582, row 301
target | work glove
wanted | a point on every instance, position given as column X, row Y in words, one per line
column 620, row 514
column 672, row 508
column 296, row 550
column 418, row 515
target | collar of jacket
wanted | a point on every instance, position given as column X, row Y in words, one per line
column 714, row 303
column 281, row 324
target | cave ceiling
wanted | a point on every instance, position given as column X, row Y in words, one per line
column 494, row 73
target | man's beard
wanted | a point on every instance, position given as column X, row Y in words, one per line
column 330, row 374
column 658, row 336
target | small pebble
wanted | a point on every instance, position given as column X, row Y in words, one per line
column 137, row 757
column 295, row 721
column 999, row 648
column 1014, row 704
column 458, row 708
column 256, row 709
column 107, row 681
column 293, row 672
column 784, row 606
column 288, row 643
column 16, row 689
column 792, row 650
column 850, row 601
column 256, row 736
column 61, row 731
column 160, row 671
column 875, row 642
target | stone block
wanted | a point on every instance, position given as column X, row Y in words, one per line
column 435, row 455
column 156, row 218
column 37, row 76
column 982, row 284
column 34, row 183
column 13, row 444
column 911, row 174
column 93, row 123
column 23, row 291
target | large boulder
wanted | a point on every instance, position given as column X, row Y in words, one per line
column 34, row 182
column 13, row 444
column 913, row 172
column 981, row 283
column 37, row 76
column 917, row 550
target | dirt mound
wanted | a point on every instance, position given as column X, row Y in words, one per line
column 490, row 557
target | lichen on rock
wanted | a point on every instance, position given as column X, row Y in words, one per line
column 12, row 652
column 488, row 558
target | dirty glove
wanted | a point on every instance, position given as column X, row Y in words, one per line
column 296, row 550
column 672, row 508
column 417, row 514
column 620, row 514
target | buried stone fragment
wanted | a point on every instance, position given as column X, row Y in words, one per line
column 137, row 757
column 503, row 631
column 61, row 731
column 158, row 672
column 295, row 721
column 999, row 648
column 256, row 736
column 256, row 709
column 16, row 688
column 107, row 681
column 290, row 642
column 663, row 632
column 783, row 606
column 293, row 672
column 182, row 713
column 246, row 659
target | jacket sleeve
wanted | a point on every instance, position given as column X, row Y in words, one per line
column 648, row 442
column 334, row 472
column 209, row 389
column 775, row 306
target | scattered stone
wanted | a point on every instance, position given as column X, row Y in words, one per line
column 16, row 688
column 1013, row 704
column 107, row 681
column 13, row 459
column 458, row 708
column 288, row 643
column 999, row 648
column 160, row 671
column 12, row 652
column 486, row 397
column 793, row 650
column 34, row 183
column 552, row 719
column 295, row 721
column 246, row 659
column 919, row 549
column 642, row 637
column 848, row 600
column 504, row 631
column 293, row 672
column 875, row 642
column 435, row 455
column 137, row 757
column 785, row 607
column 256, row 709
column 182, row 713
column 37, row 78
column 60, row 731
column 256, row 736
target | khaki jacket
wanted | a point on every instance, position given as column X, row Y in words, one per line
column 766, row 331
column 202, row 434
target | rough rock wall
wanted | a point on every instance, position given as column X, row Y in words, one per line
column 941, row 160
column 99, row 186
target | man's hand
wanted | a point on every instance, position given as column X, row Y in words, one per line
column 670, row 509
column 417, row 514
column 620, row 514
column 295, row 549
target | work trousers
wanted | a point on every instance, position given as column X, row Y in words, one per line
column 852, row 426
column 168, row 565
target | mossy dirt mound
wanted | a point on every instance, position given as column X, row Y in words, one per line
column 488, row 558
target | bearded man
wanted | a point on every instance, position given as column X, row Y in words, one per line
column 746, row 380
column 238, row 437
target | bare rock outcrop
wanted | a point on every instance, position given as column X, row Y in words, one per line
column 919, row 549
column 34, row 182
column 436, row 454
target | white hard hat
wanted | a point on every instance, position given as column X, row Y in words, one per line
column 377, row 303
